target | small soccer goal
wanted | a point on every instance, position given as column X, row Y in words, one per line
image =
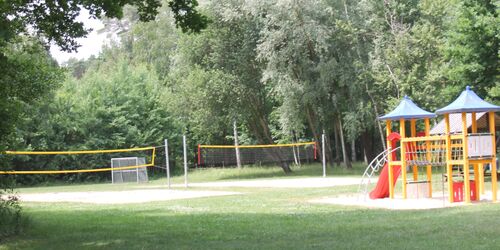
column 139, row 174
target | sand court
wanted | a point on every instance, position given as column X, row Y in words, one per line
column 121, row 197
column 398, row 203
column 313, row 182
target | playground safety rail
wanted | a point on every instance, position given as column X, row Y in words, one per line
column 373, row 168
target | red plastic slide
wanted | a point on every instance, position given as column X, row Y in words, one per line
column 382, row 188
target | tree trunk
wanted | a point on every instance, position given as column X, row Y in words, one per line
column 347, row 162
column 353, row 150
column 337, row 144
column 365, row 157
column 295, row 139
column 367, row 142
column 311, row 118
column 295, row 155
column 382, row 138
column 329, row 151
column 259, row 127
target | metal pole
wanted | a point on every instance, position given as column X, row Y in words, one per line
column 323, row 151
column 167, row 160
column 112, row 172
column 185, row 161
column 137, row 169
column 238, row 160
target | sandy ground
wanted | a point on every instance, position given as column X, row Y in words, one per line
column 318, row 182
column 160, row 193
column 438, row 201
column 121, row 197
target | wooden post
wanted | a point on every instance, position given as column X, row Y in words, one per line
column 413, row 129
column 389, row 159
column 465, row 158
column 480, row 170
column 428, row 155
column 402, row 131
column 449, row 166
column 478, row 177
column 493, row 157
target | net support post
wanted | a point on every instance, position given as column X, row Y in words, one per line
column 167, row 163
column 112, row 172
column 137, row 169
column 236, row 146
column 185, row 161
column 323, row 154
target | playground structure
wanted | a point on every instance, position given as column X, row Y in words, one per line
column 459, row 150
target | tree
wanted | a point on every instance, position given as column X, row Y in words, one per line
column 406, row 56
column 472, row 48
column 228, row 49
column 116, row 104
column 56, row 20
column 28, row 75
column 294, row 45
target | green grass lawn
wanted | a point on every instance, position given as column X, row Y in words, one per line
column 261, row 218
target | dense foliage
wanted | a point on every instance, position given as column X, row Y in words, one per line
column 28, row 75
column 285, row 70
column 34, row 113
column 57, row 20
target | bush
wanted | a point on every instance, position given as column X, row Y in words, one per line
column 10, row 214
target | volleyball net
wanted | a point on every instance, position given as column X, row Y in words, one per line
column 54, row 162
column 226, row 155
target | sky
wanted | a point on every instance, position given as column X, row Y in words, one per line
column 91, row 45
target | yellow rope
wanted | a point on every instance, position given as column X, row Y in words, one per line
column 78, row 152
column 74, row 171
column 258, row 146
column 75, row 152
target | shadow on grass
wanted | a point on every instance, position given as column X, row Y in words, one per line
column 318, row 226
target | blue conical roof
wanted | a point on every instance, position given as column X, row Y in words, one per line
column 407, row 110
column 468, row 102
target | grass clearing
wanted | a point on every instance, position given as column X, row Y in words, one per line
column 262, row 218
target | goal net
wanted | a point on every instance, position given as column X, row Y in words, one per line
column 225, row 155
column 119, row 175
